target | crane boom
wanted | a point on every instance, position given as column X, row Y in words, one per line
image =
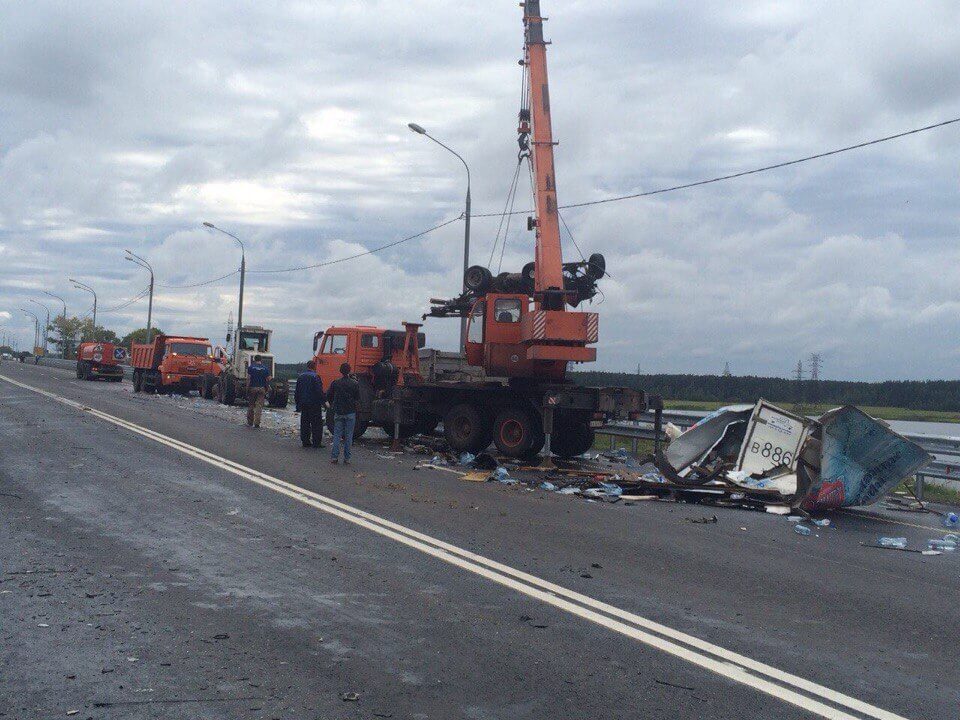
column 548, row 279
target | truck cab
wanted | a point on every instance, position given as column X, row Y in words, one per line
column 382, row 357
column 171, row 363
column 230, row 380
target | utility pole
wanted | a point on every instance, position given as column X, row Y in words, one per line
column 36, row 329
column 466, row 225
column 726, row 370
column 46, row 328
column 243, row 269
column 81, row 286
column 137, row 260
column 63, row 327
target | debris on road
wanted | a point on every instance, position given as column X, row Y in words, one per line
column 892, row 542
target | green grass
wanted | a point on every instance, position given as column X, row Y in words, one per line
column 884, row 413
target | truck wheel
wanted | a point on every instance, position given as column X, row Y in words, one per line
column 136, row 381
column 206, row 387
column 228, row 390
column 571, row 439
column 79, row 370
column 466, row 429
column 514, row 432
column 426, row 424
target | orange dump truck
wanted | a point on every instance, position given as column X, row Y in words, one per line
column 171, row 364
column 100, row 360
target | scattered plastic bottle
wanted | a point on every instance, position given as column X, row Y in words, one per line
column 548, row 486
column 467, row 458
column 941, row 544
column 802, row 529
column 501, row 473
column 823, row 522
column 953, row 537
column 951, row 520
column 892, row 542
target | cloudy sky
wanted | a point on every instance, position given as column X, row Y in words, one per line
column 125, row 125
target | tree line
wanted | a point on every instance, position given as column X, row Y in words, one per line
column 912, row 394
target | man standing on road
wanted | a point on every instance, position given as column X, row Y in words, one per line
column 258, row 377
column 342, row 397
column 309, row 399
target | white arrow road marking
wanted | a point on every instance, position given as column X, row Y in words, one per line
column 739, row 668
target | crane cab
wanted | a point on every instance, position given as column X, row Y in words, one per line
column 505, row 336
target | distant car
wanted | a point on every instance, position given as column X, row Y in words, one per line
column 7, row 356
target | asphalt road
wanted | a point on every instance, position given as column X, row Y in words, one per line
column 185, row 575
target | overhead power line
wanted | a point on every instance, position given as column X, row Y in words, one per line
column 202, row 283
column 364, row 253
column 744, row 173
column 127, row 303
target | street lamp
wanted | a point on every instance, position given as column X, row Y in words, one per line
column 243, row 271
column 137, row 260
column 57, row 297
column 63, row 327
column 46, row 328
column 80, row 286
column 418, row 129
column 36, row 328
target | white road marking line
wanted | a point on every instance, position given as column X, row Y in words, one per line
column 723, row 662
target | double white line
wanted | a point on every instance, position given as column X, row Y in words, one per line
column 810, row 696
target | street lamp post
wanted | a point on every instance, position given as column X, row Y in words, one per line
column 36, row 328
column 80, row 286
column 57, row 297
column 46, row 328
column 466, row 224
column 243, row 272
column 137, row 260
column 63, row 327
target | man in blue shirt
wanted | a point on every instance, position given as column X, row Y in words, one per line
column 258, row 377
column 309, row 399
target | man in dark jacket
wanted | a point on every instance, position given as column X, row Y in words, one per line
column 309, row 399
column 342, row 396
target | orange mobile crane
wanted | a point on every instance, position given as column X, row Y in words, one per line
column 520, row 332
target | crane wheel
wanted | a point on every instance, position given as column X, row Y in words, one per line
column 79, row 371
column 515, row 432
column 467, row 429
column 527, row 276
column 570, row 439
column 477, row 278
column 596, row 267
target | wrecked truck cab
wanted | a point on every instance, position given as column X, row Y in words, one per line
column 844, row 458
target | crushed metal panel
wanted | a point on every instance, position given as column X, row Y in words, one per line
column 773, row 439
column 862, row 460
column 703, row 437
